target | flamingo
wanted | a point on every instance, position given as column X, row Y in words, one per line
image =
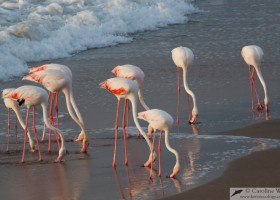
column 162, row 121
column 59, row 81
column 253, row 56
column 183, row 57
column 132, row 72
column 32, row 96
column 127, row 89
column 11, row 104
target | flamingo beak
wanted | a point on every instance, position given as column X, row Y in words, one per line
column 103, row 85
column 193, row 120
column 175, row 172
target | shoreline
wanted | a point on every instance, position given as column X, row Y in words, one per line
column 239, row 172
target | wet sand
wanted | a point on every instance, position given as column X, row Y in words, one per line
column 260, row 169
column 220, row 80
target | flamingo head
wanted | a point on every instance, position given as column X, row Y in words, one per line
column 194, row 116
column 37, row 69
column 61, row 154
column 176, row 170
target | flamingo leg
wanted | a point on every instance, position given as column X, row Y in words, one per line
column 159, row 154
column 25, row 135
column 251, row 87
column 51, row 120
column 178, row 103
column 127, row 117
column 116, row 135
column 57, row 120
column 124, row 129
column 153, row 148
column 259, row 107
column 16, row 127
column 35, row 133
column 9, row 127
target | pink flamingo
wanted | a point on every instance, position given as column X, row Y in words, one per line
column 59, row 81
column 127, row 89
column 32, row 96
column 183, row 57
column 253, row 56
column 162, row 121
column 11, row 104
column 132, row 72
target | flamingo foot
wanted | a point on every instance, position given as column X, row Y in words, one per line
column 177, row 122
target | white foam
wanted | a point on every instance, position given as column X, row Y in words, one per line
column 33, row 30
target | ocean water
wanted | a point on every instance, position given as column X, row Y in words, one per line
column 34, row 30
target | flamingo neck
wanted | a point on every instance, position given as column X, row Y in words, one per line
column 133, row 101
column 72, row 100
column 171, row 149
column 46, row 121
column 259, row 73
column 16, row 110
column 140, row 95
column 67, row 94
column 188, row 89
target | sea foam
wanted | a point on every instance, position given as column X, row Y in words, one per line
column 32, row 30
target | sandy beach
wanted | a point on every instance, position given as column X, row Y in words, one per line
column 229, row 147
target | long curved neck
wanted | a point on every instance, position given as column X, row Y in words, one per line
column 187, row 87
column 46, row 121
column 72, row 100
column 170, row 148
column 134, row 112
column 16, row 110
column 259, row 73
column 140, row 95
column 69, row 108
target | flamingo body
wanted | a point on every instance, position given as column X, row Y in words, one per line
column 127, row 89
column 11, row 104
column 32, row 96
column 162, row 121
column 60, row 81
column 253, row 55
column 183, row 57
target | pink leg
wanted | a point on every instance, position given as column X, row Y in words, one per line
column 9, row 127
column 57, row 121
column 259, row 107
column 124, row 134
column 251, row 87
column 116, row 135
column 153, row 149
column 127, row 117
column 25, row 135
column 159, row 154
column 16, row 127
column 178, row 103
column 35, row 133
column 51, row 97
